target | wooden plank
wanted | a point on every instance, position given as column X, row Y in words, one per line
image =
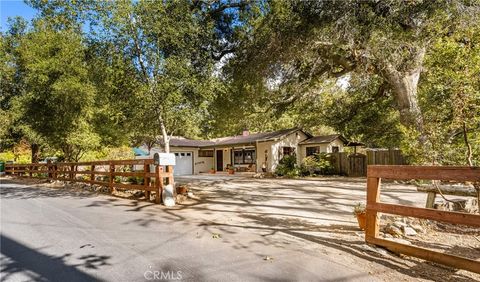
column 158, row 184
column 455, row 173
column 449, row 190
column 129, row 186
column 430, row 200
column 114, row 162
column 134, row 174
column 111, row 178
column 445, row 216
column 442, row 258
column 92, row 175
column 146, row 180
column 101, row 183
column 373, row 196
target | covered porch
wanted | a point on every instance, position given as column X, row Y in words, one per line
column 240, row 158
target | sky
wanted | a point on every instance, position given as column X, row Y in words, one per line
column 12, row 8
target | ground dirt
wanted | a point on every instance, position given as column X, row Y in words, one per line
column 317, row 214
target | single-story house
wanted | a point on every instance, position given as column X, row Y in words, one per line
column 246, row 152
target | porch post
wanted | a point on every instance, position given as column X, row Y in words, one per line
column 256, row 156
column 214, row 159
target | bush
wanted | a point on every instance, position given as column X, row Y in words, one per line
column 135, row 180
column 288, row 167
column 317, row 164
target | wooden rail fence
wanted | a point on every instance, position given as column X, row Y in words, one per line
column 374, row 206
column 90, row 172
column 355, row 165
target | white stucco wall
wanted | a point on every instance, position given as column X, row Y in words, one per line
column 275, row 151
column 264, row 149
column 324, row 148
column 200, row 164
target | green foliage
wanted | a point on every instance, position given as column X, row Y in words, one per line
column 287, row 166
column 317, row 164
column 135, row 180
column 19, row 158
column 450, row 99
column 55, row 104
column 352, row 65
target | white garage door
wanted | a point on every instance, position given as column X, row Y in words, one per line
column 183, row 163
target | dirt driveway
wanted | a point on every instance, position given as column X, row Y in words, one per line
column 310, row 215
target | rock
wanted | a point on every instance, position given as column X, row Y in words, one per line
column 180, row 198
column 392, row 230
column 418, row 228
column 399, row 224
column 409, row 231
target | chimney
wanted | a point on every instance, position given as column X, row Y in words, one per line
column 245, row 132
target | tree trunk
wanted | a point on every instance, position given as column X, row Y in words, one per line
column 404, row 85
column 405, row 89
column 35, row 152
column 166, row 138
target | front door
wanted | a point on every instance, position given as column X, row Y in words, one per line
column 219, row 160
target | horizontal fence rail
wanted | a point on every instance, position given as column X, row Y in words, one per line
column 374, row 206
column 104, row 173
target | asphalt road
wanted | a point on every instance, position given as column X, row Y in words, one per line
column 50, row 234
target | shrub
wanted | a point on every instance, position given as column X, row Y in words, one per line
column 135, row 180
column 288, row 167
column 317, row 164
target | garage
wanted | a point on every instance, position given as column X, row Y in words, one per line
column 183, row 163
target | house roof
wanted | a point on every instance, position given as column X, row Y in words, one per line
column 233, row 140
column 323, row 139
column 257, row 137
column 183, row 142
column 253, row 138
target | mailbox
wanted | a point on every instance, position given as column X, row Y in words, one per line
column 164, row 159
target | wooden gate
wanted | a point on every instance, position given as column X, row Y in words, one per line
column 357, row 165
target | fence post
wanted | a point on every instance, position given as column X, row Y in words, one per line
column 158, row 184
column 49, row 169
column 92, row 174
column 146, row 181
column 55, row 171
column 111, row 177
column 170, row 175
column 373, row 196
column 72, row 168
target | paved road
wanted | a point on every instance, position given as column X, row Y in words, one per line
column 52, row 234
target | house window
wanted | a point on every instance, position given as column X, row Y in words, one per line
column 335, row 149
column 244, row 156
column 205, row 153
column 288, row 151
column 311, row 151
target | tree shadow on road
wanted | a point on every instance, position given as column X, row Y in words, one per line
column 18, row 258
